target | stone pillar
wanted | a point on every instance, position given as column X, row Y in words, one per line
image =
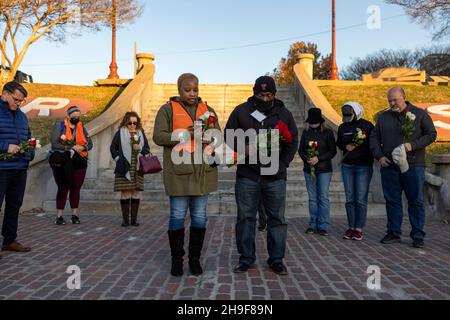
column 306, row 60
column 143, row 59
column 442, row 163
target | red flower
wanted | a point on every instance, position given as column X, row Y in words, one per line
column 212, row 119
column 314, row 145
column 283, row 128
column 32, row 143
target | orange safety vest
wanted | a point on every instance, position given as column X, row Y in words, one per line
column 182, row 120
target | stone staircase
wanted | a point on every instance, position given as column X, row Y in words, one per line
column 97, row 195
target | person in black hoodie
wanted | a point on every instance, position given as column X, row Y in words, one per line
column 253, row 183
column 357, row 166
column 317, row 169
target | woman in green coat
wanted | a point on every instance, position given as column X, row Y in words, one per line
column 187, row 184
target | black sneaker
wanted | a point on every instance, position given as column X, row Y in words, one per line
column 60, row 221
column 310, row 231
column 241, row 267
column 418, row 243
column 279, row 268
column 323, row 233
column 390, row 238
column 75, row 220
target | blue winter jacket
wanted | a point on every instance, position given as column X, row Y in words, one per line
column 14, row 129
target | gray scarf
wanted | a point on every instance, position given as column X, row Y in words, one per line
column 125, row 141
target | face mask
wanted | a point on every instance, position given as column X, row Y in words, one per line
column 74, row 120
column 262, row 105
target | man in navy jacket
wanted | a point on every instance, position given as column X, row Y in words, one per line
column 14, row 130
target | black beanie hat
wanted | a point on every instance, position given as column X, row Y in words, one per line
column 265, row 84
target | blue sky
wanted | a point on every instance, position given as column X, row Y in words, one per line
column 169, row 26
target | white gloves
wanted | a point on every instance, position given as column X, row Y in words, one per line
column 399, row 157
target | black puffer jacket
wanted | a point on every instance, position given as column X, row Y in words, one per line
column 241, row 118
column 361, row 156
column 326, row 146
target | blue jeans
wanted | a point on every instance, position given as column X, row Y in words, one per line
column 356, row 183
column 412, row 182
column 248, row 195
column 319, row 202
column 180, row 205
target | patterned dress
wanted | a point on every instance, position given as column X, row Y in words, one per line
column 137, row 179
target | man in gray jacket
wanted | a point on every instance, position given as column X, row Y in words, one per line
column 390, row 133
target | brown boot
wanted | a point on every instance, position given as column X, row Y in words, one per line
column 15, row 247
column 134, row 212
column 125, row 205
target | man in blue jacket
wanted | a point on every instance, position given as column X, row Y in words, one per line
column 14, row 130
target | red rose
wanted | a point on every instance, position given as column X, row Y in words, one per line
column 32, row 143
column 314, row 145
column 284, row 131
column 212, row 119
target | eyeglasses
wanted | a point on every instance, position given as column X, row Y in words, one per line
column 132, row 123
column 17, row 100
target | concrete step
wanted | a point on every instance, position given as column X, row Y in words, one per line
column 299, row 194
column 293, row 209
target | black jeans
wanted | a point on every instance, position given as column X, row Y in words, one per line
column 273, row 197
column 12, row 189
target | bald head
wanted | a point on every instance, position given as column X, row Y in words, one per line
column 397, row 99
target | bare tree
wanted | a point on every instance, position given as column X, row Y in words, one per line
column 431, row 13
column 434, row 60
column 54, row 20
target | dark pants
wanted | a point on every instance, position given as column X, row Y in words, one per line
column 64, row 188
column 412, row 182
column 12, row 189
column 262, row 217
column 248, row 195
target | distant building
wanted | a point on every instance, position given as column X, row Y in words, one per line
column 21, row 77
column 401, row 74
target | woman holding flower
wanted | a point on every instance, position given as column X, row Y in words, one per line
column 14, row 131
column 68, row 158
column 128, row 145
column 317, row 148
column 188, row 183
column 357, row 166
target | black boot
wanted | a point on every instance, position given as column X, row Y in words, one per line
column 176, row 240
column 125, row 205
column 134, row 212
column 196, row 237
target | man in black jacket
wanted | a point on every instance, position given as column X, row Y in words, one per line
column 261, row 111
column 389, row 133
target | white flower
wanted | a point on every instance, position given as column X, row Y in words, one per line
column 38, row 146
column 63, row 138
column 411, row 116
column 310, row 143
column 136, row 138
column 206, row 115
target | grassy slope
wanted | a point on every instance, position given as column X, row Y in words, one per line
column 373, row 99
column 101, row 98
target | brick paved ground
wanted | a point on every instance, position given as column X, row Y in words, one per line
column 133, row 263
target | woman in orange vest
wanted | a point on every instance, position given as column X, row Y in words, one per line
column 69, row 159
column 187, row 184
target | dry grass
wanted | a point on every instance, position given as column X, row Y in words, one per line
column 100, row 97
column 373, row 98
